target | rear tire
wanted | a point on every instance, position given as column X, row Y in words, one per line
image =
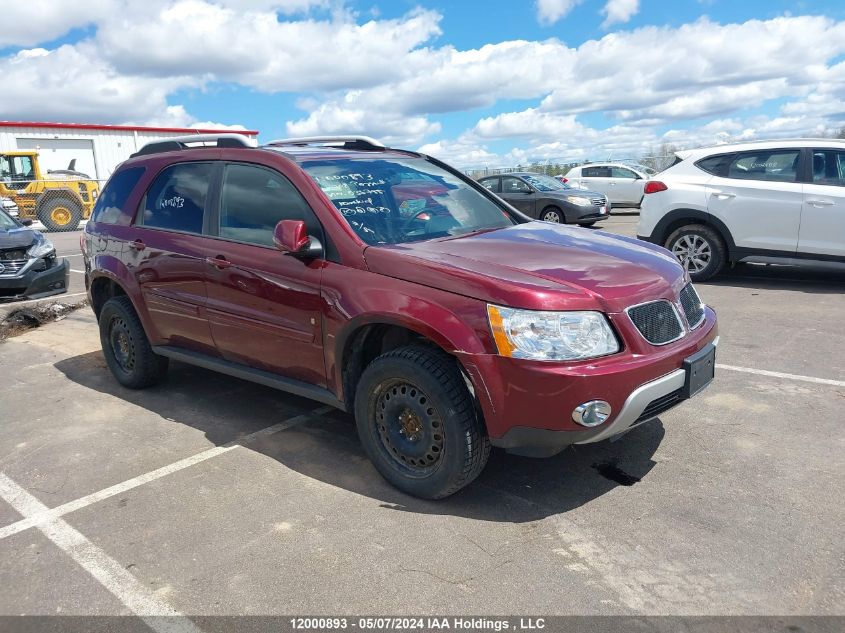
column 126, row 348
column 418, row 423
column 553, row 214
column 60, row 214
column 700, row 250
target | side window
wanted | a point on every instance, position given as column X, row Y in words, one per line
column 714, row 164
column 491, row 184
column 254, row 199
column 114, row 195
column 514, row 185
column 829, row 167
column 769, row 165
column 621, row 172
column 596, row 172
column 176, row 199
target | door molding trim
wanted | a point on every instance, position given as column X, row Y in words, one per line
column 245, row 372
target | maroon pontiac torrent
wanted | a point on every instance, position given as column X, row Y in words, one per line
column 387, row 284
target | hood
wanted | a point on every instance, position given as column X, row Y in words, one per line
column 578, row 193
column 18, row 238
column 538, row 266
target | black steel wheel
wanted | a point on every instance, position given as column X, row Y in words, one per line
column 418, row 423
column 126, row 348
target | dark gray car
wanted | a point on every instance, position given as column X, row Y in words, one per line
column 548, row 199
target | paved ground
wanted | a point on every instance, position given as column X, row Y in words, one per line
column 208, row 495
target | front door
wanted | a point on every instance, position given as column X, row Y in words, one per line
column 625, row 185
column 823, row 213
column 519, row 194
column 264, row 307
column 758, row 198
column 167, row 255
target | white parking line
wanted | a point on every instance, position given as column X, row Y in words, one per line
column 70, row 255
column 81, row 272
column 777, row 374
column 134, row 595
column 48, row 514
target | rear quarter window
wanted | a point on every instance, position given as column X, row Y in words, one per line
column 114, row 195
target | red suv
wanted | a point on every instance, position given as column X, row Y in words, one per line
column 387, row 284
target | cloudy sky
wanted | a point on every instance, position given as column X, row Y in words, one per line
column 491, row 82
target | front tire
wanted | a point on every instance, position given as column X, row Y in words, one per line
column 60, row 214
column 699, row 249
column 552, row 214
column 417, row 422
column 126, row 348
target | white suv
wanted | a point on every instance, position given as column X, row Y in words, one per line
column 622, row 184
column 767, row 200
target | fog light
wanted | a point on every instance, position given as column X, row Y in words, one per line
column 591, row 413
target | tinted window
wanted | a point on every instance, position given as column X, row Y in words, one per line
column 514, row 185
column 395, row 200
column 490, row 183
column 770, row 165
column 621, row 172
column 114, row 195
column 254, row 200
column 596, row 172
column 176, row 199
column 541, row 182
column 829, row 167
column 712, row 164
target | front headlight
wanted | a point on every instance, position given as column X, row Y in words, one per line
column 41, row 249
column 581, row 202
column 538, row 335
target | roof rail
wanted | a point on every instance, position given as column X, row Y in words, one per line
column 365, row 143
column 177, row 143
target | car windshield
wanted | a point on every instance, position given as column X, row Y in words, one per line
column 544, row 183
column 398, row 200
column 6, row 222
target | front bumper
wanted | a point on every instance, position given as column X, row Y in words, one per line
column 528, row 405
column 32, row 284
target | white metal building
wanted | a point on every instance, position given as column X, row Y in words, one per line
column 98, row 149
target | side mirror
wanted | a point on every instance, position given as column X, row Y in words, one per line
column 291, row 237
column 26, row 222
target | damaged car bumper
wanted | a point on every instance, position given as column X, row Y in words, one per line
column 33, row 278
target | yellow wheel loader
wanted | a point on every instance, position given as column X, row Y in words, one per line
column 59, row 199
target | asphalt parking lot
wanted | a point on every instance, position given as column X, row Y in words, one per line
column 209, row 495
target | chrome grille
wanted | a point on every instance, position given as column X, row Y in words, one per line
column 11, row 267
column 657, row 321
column 693, row 308
column 599, row 202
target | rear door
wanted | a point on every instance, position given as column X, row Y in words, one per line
column 625, row 185
column 596, row 178
column 167, row 253
column 264, row 307
column 520, row 194
column 758, row 197
column 823, row 214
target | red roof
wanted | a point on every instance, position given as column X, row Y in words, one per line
column 123, row 128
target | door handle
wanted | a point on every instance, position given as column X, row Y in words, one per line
column 218, row 262
column 821, row 203
column 138, row 245
column 724, row 195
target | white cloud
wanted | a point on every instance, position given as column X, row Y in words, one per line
column 256, row 49
column 31, row 22
column 73, row 83
column 618, row 11
column 550, row 11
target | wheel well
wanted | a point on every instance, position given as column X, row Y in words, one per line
column 674, row 225
column 103, row 289
column 371, row 341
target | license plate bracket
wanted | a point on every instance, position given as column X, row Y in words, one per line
column 700, row 370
